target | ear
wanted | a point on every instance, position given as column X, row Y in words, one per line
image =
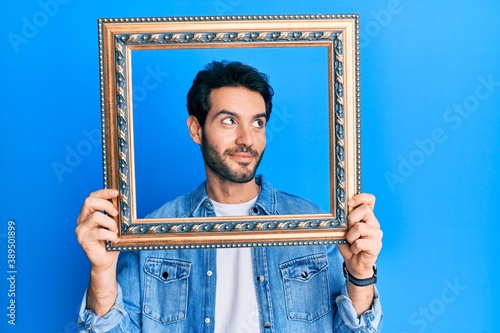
column 194, row 129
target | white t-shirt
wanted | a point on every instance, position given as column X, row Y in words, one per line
column 236, row 309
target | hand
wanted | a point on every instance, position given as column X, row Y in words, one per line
column 364, row 237
column 94, row 228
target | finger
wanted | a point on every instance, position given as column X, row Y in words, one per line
column 103, row 197
column 107, row 193
column 345, row 251
column 363, row 231
column 368, row 246
column 363, row 213
column 103, row 235
column 99, row 220
column 361, row 256
column 93, row 204
column 87, row 236
column 362, row 198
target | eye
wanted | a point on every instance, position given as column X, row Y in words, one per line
column 258, row 123
column 228, row 121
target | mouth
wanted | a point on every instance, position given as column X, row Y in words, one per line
column 242, row 155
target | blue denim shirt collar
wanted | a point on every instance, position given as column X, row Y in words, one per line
column 266, row 200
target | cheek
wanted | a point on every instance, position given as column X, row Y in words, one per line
column 220, row 144
column 215, row 140
column 262, row 140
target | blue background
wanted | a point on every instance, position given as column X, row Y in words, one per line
column 299, row 121
column 431, row 167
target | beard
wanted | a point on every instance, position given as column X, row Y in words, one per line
column 217, row 163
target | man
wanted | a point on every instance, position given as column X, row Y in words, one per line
column 270, row 289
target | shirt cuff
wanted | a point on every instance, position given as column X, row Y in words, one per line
column 89, row 321
column 370, row 320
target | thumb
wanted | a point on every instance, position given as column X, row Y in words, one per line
column 345, row 251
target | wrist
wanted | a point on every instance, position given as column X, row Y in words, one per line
column 102, row 291
column 105, row 268
column 360, row 279
column 103, row 272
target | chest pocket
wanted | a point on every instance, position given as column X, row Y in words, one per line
column 166, row 289
column 305, row 281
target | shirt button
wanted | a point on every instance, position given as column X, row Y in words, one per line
column 209, row 273
column 260, row 278
column 207, row 320
column 267, row 324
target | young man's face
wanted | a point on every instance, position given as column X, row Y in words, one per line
column 233, row 138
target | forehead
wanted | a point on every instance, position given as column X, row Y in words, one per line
column 237, row 100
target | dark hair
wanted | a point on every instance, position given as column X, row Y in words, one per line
column 226, row 74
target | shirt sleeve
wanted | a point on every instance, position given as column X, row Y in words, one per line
column 347, row 320
column 89, row 321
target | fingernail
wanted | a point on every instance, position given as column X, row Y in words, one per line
column 350, row 202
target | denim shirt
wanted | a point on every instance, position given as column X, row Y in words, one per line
column 298, row 288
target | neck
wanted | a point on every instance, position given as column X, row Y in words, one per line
column 228, row 192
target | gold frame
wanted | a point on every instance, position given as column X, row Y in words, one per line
column 119, row 37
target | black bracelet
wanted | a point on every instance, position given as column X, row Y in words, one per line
column 360, row 282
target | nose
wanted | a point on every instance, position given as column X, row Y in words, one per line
column 244, row 136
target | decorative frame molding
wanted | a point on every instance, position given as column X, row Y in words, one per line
column 119, row 37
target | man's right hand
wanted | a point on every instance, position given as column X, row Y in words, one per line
column 93, row 229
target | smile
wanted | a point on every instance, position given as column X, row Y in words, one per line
column 242, row 154
column 242, row 157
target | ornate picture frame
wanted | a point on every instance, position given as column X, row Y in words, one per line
column 120, row 37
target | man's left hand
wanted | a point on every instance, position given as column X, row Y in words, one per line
column 364, row 237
